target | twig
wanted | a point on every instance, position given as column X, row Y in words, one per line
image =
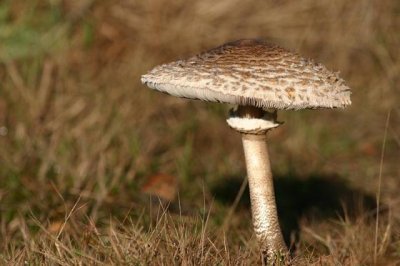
column 228, row 217
column 378, row 194
column 18, row 82
column 319, row 238
column 45, row 89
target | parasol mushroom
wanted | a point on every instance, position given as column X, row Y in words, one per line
column 260, row 78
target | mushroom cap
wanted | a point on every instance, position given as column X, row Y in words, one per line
column 251, row 72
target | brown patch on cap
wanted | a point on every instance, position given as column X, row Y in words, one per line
column 291, row 93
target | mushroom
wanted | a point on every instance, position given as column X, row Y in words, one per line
column 259, row 78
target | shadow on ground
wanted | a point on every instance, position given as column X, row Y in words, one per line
column 317, row 196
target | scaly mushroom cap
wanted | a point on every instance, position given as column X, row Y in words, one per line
column 251, row 72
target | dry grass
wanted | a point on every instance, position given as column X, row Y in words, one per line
column 79, row 134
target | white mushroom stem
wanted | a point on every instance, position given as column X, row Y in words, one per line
column 253, row 123
column 262, row 196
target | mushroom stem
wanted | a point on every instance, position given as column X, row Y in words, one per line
column 262, row 196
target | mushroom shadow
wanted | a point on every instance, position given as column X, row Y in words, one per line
column 317, row 196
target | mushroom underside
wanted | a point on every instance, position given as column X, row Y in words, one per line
column 308, row 101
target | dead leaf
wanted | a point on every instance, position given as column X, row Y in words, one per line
column 368, row 149
column 161, row 185
column 56, row 226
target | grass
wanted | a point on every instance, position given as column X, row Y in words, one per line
column 79, row 135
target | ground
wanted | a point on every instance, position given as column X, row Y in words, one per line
column 83, row 143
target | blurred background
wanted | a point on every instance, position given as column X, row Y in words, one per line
column 86, row 150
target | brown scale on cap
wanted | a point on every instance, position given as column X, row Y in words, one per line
column 252, row 72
